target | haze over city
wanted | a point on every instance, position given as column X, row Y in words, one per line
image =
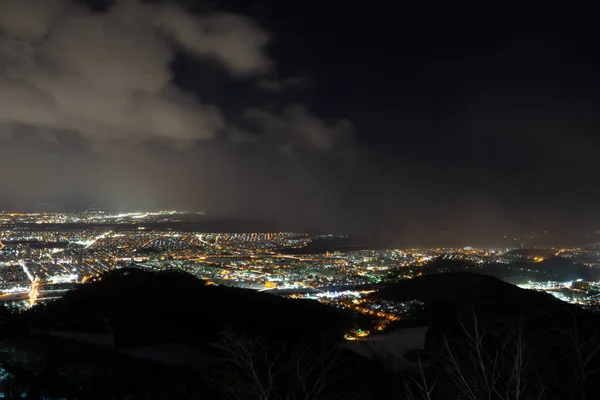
column 394, row 124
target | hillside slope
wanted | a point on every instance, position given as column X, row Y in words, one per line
column 144, row 307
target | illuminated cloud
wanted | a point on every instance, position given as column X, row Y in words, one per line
column 107, row 75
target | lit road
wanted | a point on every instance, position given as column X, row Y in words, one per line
column 33, row 289
column 97, row 238
column 26, row 270
column 33, row 293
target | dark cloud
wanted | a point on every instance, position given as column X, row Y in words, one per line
column 279, row 85
column 297, row 126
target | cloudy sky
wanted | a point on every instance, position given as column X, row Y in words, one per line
column 402, row 121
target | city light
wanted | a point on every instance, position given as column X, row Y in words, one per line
column 41, row 263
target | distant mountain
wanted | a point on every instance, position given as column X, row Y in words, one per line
column 552, row 268
column 523, row 253
column 332, row 244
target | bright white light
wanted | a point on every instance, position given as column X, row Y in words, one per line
column 332, row 295
column 64, row 278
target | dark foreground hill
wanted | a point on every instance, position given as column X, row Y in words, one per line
column 469, row 290
column 252, row 345
column 490, row 339
column 144, row 307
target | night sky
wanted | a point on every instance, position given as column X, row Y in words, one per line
column 369, row 118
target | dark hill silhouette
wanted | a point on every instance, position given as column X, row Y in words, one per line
column 144, row 307
column 333, row 244
column 483, row 326
column 562, row 269
column 440, row 265
column 470, row 290
column 550, row 269
column 215, row 323
column 523, row 253
column 489, row 328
